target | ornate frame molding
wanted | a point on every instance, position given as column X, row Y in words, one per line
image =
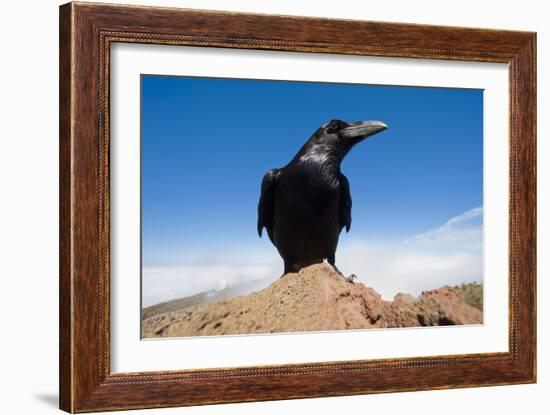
column 86, row 33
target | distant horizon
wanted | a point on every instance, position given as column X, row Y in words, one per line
column 207, row 142
column 454, row 249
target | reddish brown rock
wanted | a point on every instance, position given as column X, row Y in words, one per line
column 316, row 298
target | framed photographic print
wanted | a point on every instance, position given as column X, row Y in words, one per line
column 260, row 207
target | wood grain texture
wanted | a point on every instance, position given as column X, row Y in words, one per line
column 86, row 33
column 65, row 138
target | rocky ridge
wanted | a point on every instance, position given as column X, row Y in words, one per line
column 315, row 299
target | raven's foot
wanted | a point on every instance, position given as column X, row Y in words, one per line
column 351, row 279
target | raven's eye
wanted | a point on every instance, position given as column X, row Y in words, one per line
column 333, row 125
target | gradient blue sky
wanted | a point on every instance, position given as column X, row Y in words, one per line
column 206, row 144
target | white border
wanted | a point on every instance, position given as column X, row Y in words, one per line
column 130, row 354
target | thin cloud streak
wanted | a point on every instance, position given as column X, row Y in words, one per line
column 465, row 230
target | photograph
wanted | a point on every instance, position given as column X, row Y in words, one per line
column 267, row 204
column 275, row 206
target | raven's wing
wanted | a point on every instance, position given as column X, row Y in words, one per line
column 345, row 203
column 267, row 202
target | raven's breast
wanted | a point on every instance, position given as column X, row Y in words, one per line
column 306, row 220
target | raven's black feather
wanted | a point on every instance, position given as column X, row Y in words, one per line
column 305, row 205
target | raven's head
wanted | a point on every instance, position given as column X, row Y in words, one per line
column 332, row 141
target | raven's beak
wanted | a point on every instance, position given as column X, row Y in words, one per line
column 363, row 129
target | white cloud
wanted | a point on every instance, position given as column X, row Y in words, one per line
column 462, row 231
column 391, row 269
column 167, row 283
column 447, row 255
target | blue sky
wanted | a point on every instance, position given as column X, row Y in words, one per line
column 206, row 144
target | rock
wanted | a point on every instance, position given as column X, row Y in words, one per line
column 439, row 308
column 315, row 299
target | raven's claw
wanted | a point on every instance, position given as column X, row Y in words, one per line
column 351, row 279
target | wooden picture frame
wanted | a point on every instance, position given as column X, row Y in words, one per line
column 86, row 33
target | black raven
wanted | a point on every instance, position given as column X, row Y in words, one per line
column 305, row 204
